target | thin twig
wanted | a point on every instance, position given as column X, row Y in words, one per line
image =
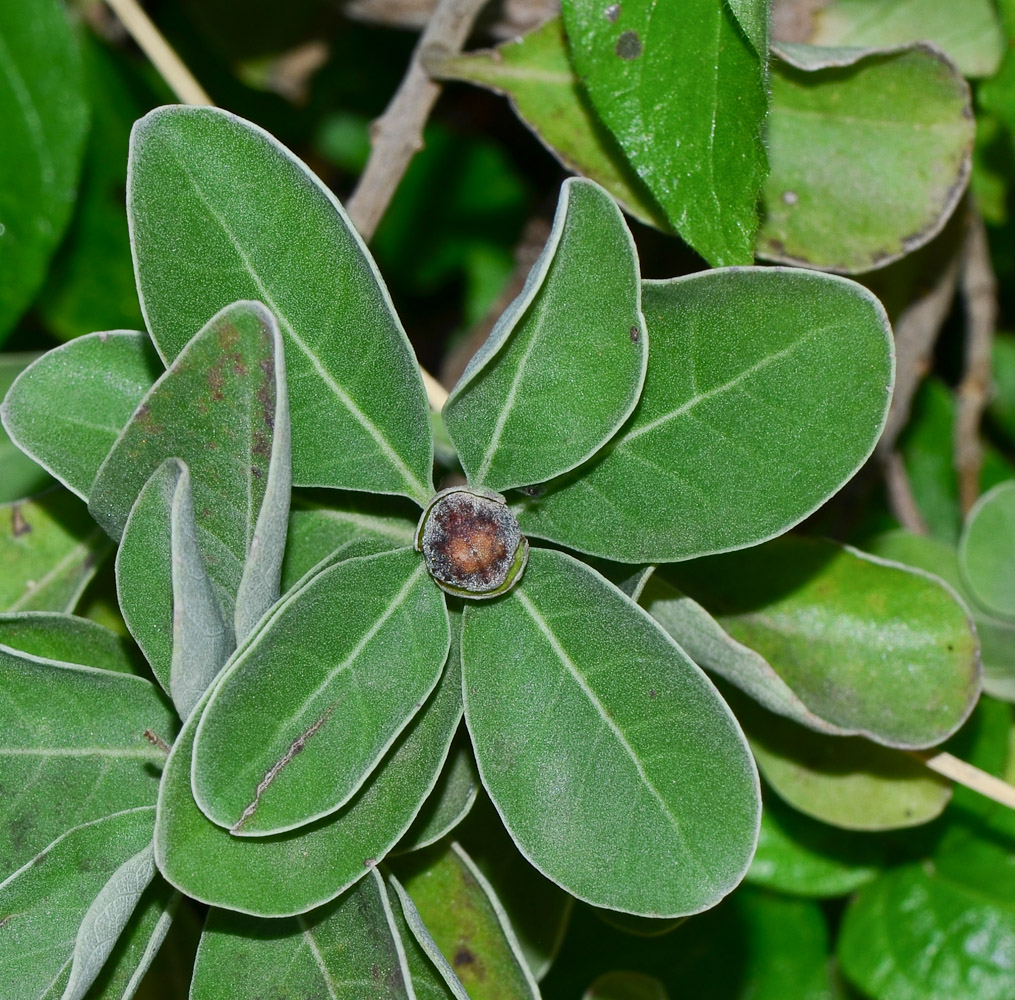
column 971, row 777
column 398, row 133
column 159, row 51
column 900, row 495
column 979, row 292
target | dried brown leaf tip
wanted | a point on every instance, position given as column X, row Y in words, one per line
column 471, row 542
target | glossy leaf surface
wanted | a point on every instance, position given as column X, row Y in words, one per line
column 730, row 443
column 51, row 636
column 44, row 116
column 846, row 128
column 230, row 381
column 164, row 591
column 47, row 899
column 19, row 475
column 359, row 412
column 870, row 646
column 987, row 551
column 67, row 408
column 564, row 366
column 587, row 720
column 685, row 98
column 291, row 873
column 347, row 950
column 320, row 669
column 468, row 924
column 73, row 749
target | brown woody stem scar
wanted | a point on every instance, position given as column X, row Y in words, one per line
column 156, row 741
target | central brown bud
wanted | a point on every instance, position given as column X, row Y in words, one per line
column 471, row 542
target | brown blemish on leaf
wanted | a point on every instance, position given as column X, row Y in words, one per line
column 463, row 956
column 5, row 921
column 216, row 382
column 156, row 741
column 228, row 336
column 266, row 392
column 295, row 748
column 653, row 693
column 635, row 335
column 628, row 45
column 19, row 526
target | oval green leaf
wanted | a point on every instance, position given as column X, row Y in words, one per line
column 311, row 703
column 565, row 364
column 251, row 221
column 67, row 638
column 587, row 719
column 732, row 442
column 987, row 550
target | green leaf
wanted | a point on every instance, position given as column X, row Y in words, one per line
column 359, row 412
column 587, row 719
column 974, row 40
column 346, row 951
column 19, row 475
column 66, row 410
column 987, row 551
column 72, row 742
column 916, row 934
column 685, row 98
column 626, row 986
column 1002, row 403
column 535, row 73
column 51, row 636
column 44, row 903
column 230, row 381
column 452, row 799
column 291, row 873
column 106, row 919
column 846, row 128
column 731, row 443
column 164, row 591
column 875, row 648
column 315, row 531
column 467, row 922
column 564, row 366
column 44, row 117
column 49, row 550
column 320, row 667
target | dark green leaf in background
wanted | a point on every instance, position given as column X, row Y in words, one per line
column 19, row 475
column 44, row 119
column 686, row 99
column 987, row 551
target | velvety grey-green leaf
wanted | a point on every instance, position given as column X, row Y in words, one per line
column 66, row 409
column 44, row 117
column 449, row 803
column 315, row 531
column 464, row 917
column 588, row 721
column 45, row 902
column 73, row 749
column 309, row 706
column 875, row 648
column 165, row 594
column 974, row 40
column 846, row 128
column 245, row 219
column 564, row 365
column 916, row 934
column 686, row 98
column 731, row 443
column 347, row 950
column 987, row 551
column 230, row 383
column 67, row 638
column 106, row 919
column 294, row 872
column 19, row 475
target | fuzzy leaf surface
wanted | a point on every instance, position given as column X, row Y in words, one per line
column 73, row 749
column 219, row 210
column 44, row 117
column 165, row 594
column 467, row 922
column 230, row 381
column 564, row 365
column 685, row 98
column 292, row 873
column 846, row 128
column 320, row 669
column 987, row 551
column 730, row 444
column 66, row 409
column 46, row 900
column 588, row 721
column 67, row 638
column 347, row 950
